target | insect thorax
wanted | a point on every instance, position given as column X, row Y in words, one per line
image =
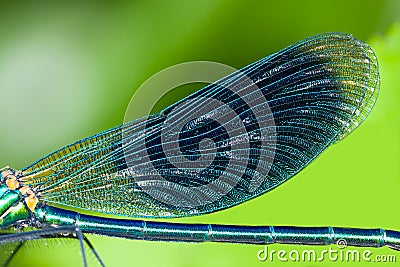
column 17, row 202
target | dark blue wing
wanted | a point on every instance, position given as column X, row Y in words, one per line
column 229, row 142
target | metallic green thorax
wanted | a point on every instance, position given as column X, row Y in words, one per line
column 12, row 207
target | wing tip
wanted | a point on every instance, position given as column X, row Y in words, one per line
column 370, row 87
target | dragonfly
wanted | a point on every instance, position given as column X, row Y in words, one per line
column 227, row 143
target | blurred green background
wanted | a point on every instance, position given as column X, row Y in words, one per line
column 68, row 70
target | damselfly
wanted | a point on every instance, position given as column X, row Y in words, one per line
column 225, row 144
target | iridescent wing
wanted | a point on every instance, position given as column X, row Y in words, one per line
column 229, row 142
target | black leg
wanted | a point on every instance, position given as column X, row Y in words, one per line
column 93, row 251
column 82, row 245
column 20, row 238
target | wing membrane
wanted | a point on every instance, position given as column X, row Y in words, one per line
column 318, row 91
